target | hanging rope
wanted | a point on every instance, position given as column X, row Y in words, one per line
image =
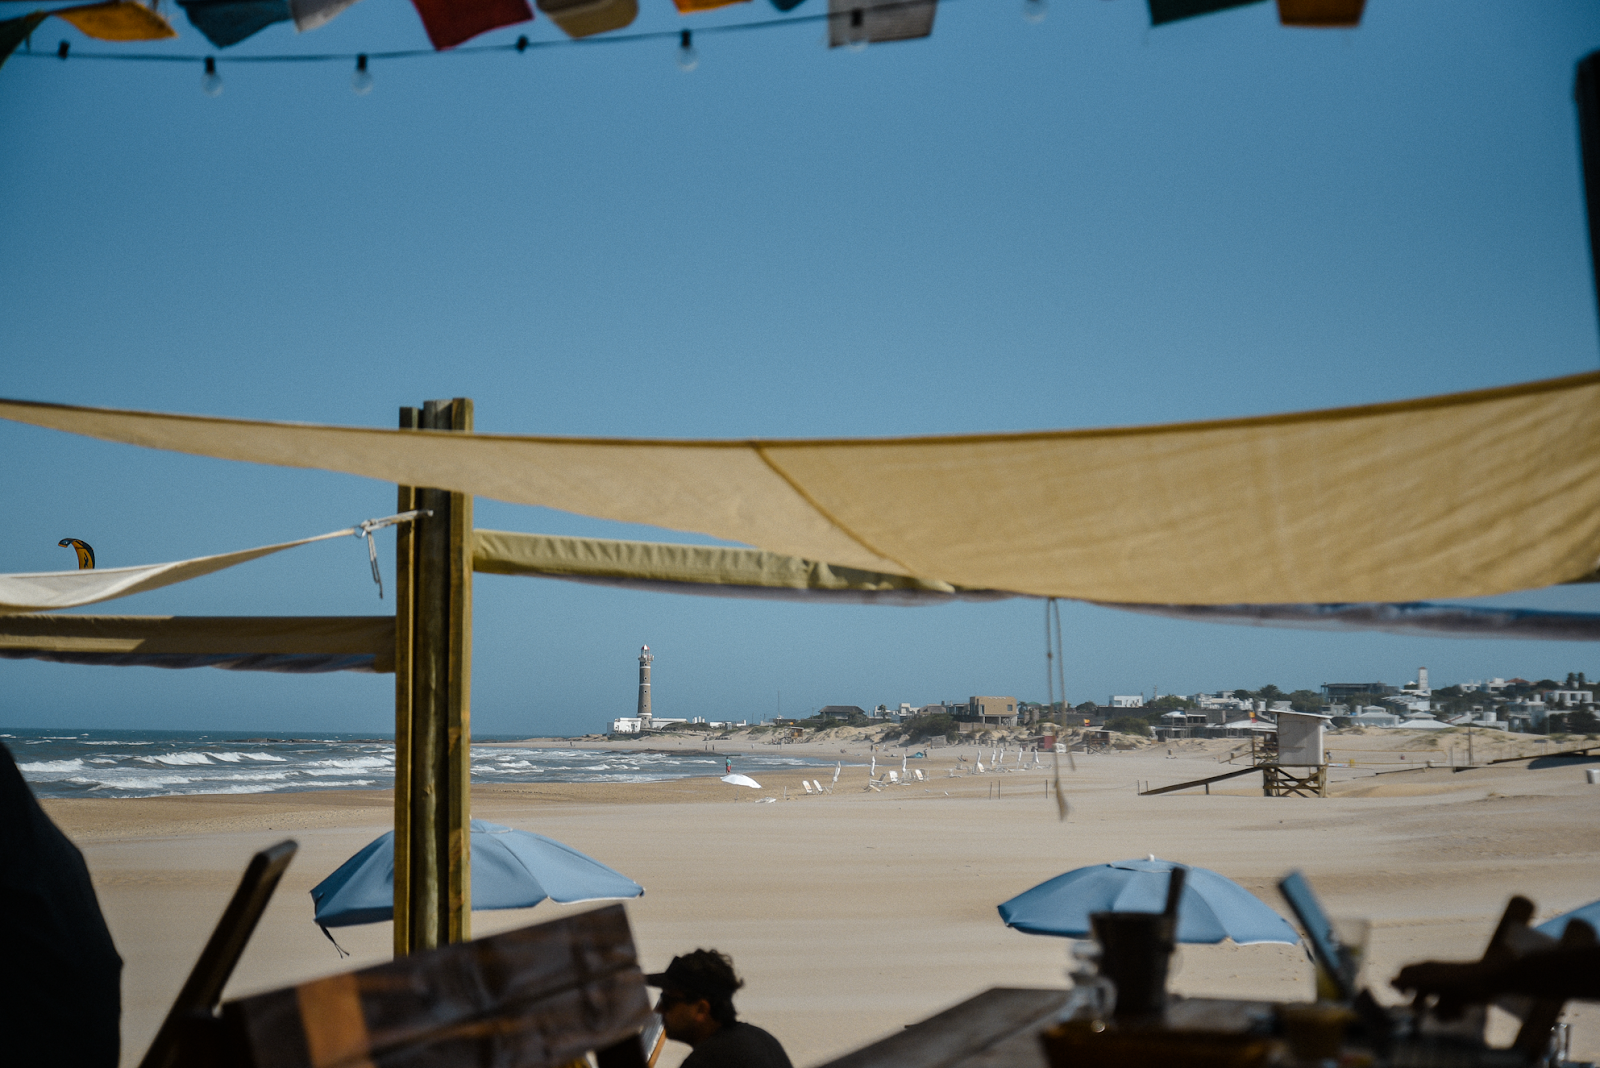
column 1053, row 679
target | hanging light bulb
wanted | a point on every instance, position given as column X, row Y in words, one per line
column 855, row 38
column 211, row 81
column 688, row 58
column 1035, row 10
column 361, row 80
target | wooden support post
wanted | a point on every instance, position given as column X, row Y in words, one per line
column 433, row 734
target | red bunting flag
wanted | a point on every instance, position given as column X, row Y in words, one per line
column 450, row 22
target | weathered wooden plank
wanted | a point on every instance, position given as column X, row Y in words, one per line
column 539, row 997
column 961, row 1032
column 405, row 636
column 1198, row 782
column 458, row 703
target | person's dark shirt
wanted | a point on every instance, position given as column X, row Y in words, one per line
column 60, row 976
column 738, row 1045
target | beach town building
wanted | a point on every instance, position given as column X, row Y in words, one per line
column 1182, row 723
column 1568, row 698
column 638, row 725
column 1222, row 699
column 845, row 712
column 1410, row 703
column 1422, row 721
column 1127, row 700
column 978, row 712
column 1494, row 685
column 893, row 715
column 1478, row 717
column 1374, row 716
column 1528, row 716
column 1333, row 692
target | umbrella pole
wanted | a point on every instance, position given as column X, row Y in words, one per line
column 433, row 665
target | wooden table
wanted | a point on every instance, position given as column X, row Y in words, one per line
column 999, row 1028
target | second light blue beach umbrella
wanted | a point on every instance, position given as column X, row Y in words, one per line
column 511, row 869
column 1213, row 907
column 1589, row 914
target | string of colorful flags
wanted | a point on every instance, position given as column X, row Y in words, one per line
column 451, row 23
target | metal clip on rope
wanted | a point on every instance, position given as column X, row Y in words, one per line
column 365, row 528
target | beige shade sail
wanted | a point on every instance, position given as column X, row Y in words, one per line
column 1462, row 495
column 707, row 570
column 295, row 644
column 728, row 571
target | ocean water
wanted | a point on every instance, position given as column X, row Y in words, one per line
column 154, row 763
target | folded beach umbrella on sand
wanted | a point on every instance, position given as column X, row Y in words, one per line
column 511, row 869
column 735, row 779
column 1212, row 908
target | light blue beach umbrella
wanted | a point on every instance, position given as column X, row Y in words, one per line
column 511, row 869
column 1589, row 914
column 1212, row 908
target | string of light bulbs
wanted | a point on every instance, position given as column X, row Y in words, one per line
column 361, row 81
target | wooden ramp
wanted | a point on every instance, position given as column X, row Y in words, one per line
column 1200, row 782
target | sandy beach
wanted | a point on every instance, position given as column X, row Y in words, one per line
column 854, row 913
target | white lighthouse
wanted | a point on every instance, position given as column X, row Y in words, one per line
column 645, row 659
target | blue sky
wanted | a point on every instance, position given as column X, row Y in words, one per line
column 1076, row 223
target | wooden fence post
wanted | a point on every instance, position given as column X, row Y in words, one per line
column 433, row 691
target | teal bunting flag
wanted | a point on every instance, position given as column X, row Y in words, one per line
column 227, row 22
column 1163, row 11
column 14, row 31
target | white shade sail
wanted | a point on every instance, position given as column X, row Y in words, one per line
column 44, row 591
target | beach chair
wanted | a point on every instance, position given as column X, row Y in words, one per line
column 894, row 777
column 544, row 996
column 818, row 784
column 806, row 785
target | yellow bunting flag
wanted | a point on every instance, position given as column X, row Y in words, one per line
column 117, row 20
column 585, row 18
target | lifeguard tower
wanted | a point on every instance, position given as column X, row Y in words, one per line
column 1301, row 767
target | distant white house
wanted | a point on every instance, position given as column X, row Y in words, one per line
column 1422, row 722
column 1487, row 720
column 1529, row 715
column 1569, row 698
column 1411, row 703
column 1374, row 716
column 630, row 724
column 1127, row 700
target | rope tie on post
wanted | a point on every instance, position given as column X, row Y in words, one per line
column 365, row 528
